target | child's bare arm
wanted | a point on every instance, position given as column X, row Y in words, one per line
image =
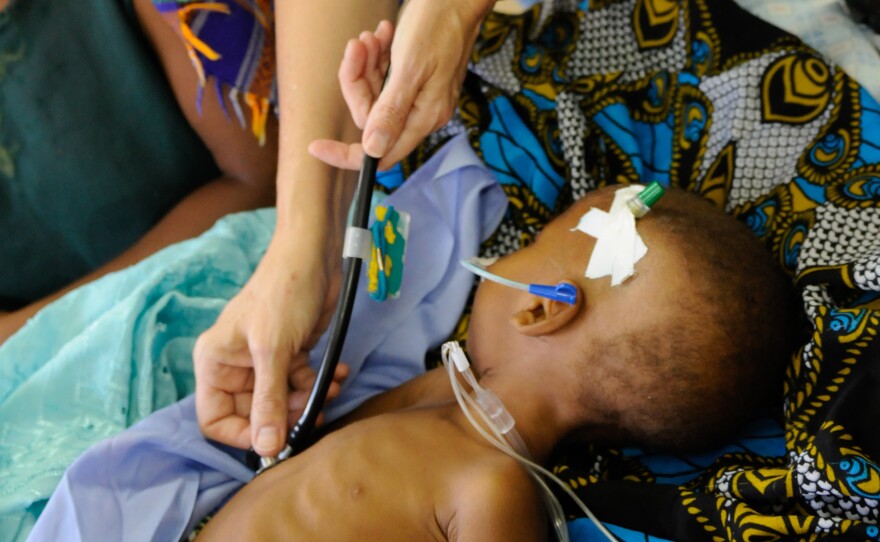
column 247, row 179
column 501, row 505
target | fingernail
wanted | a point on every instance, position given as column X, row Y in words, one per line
column 267, row 438
column 377, row 144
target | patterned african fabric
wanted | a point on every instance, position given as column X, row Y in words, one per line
column 575, row 95
column 231, row 44
column 830, row 28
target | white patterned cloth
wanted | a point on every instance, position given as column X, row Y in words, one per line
column 827, row 26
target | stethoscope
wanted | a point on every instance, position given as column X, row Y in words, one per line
column 356, row 247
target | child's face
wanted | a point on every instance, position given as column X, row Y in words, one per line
column 561, row 254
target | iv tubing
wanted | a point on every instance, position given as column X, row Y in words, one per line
column 466, row 402
column 478, row 270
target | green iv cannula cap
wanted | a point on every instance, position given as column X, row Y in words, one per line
column 644, row 200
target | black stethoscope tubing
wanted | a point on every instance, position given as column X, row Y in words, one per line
column 299, row 437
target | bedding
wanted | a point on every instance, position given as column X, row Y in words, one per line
column 574, row 95
column 827, row 26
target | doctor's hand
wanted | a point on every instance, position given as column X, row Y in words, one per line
column 428, row 55
column 251, row 366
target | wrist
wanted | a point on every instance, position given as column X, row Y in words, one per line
column 312, row 227
column 314, row 199
column 477, row 10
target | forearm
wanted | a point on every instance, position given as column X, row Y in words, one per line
column 194, row 215
column 189, row 218
column 311, row 39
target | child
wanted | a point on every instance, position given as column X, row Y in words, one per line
column 661, row 361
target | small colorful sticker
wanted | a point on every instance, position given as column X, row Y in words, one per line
column 385, row 269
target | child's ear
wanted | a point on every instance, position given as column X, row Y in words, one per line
column 543, row 316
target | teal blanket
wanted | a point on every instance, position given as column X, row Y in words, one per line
column 121, row 349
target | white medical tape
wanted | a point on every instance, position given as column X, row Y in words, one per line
column 358, row 243
column 618, row 245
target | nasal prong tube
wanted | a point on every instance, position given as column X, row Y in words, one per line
column 564, row 291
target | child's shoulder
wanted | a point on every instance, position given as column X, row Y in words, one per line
column 495, row 474
column 496, row 499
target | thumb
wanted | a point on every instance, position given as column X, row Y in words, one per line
column 389, row 114
column 269, row 406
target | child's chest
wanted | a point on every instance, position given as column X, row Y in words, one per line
column 407, row 467
column 383, row 479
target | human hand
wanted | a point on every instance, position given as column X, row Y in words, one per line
column 429, row 55
column 252, row 372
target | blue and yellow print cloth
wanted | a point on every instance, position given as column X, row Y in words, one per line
column 575, row 95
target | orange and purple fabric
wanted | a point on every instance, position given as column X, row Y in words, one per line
column 232, row 47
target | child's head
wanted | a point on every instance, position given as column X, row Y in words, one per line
column 676, row 356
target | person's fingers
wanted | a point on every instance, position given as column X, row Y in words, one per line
column 339, row 377
column 337, row 154
column 233, row 429
column 372, row 74
column 356, row 91
column 428, row 114
column 296, row 403
column 223, row 354
column 342, row 372
column 301, row 376
column 334, row 390
column 302, row 382
column 385, row 34
column 216, row 415
column 219, row 411
column 351, row 156
column 418, row 126
column 389, row 114
column 269, row 404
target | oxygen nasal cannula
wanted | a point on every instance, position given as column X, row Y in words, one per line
column 503, row 435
